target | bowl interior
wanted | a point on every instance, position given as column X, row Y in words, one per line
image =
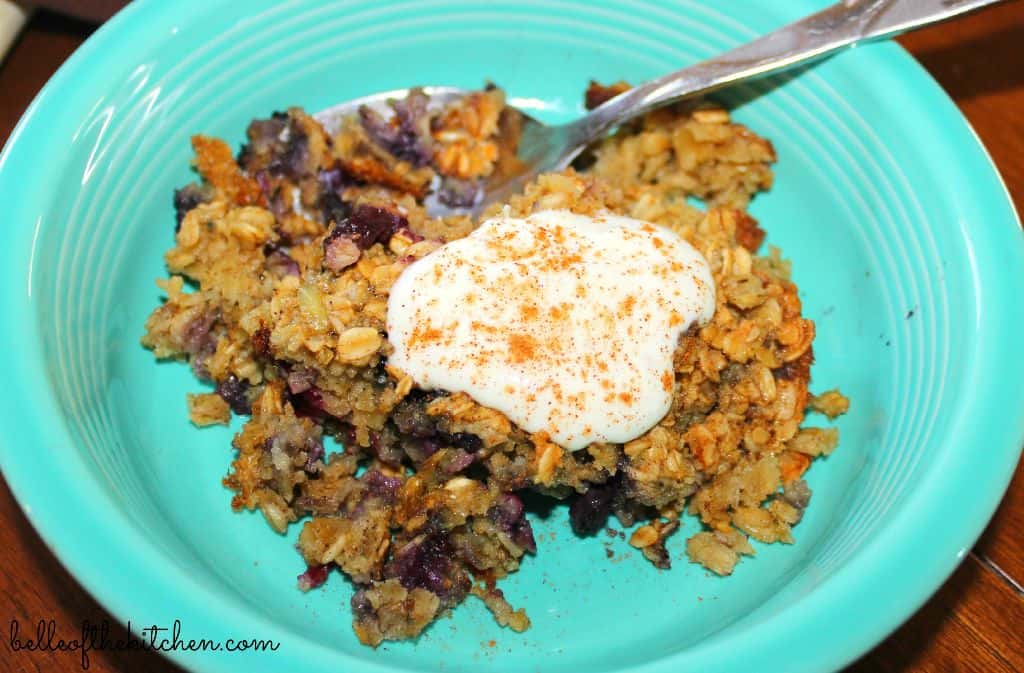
column 847, row 209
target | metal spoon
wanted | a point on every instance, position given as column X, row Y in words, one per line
column 544, row 148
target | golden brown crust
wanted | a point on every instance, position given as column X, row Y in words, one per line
column 748, row 233
column 216, row 164
column 598, row 94
column 372, row 170
column 798, row 369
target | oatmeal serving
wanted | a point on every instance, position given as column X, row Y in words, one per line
column 598, row 339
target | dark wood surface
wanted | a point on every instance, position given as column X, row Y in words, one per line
column 974, row 623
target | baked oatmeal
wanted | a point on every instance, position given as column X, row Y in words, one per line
column 284, row 261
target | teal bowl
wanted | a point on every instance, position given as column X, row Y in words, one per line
column 902, row 236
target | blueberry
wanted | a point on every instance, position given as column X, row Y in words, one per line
column 589, row 511
column 381, row 485
column 458, row 193
column 235, row 393
column 408, row 136
column 187, row 198
column 428, row 562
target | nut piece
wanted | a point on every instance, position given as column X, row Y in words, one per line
column 400, row 240
column 250, row 225
column 644, row 536
column 358, row 343
column 340, row 252
column 711, row 116
column 831, row 403
column 422, row 248
column 549, row 455
column 208, row 409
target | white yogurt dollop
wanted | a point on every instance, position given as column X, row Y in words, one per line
column 564, row 323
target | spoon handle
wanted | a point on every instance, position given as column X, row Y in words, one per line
column 844, row 24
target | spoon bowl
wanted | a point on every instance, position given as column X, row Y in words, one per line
column 537, row 150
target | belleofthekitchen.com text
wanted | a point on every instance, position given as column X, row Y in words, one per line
column 44, row 637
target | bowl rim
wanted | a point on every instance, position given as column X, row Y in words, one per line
column 855, row 624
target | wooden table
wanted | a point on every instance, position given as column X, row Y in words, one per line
column 976, row 620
